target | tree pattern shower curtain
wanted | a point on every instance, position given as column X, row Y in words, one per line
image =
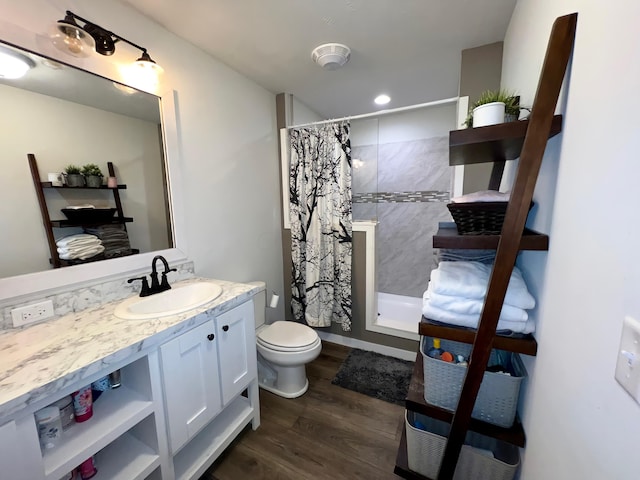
column 321, row 224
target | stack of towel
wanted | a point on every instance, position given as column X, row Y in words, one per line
column 114, row 238
column 80, row 246
column 456, row 296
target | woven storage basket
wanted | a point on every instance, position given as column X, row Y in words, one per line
column 479, row 218
column 425, row 448
column 497, row 399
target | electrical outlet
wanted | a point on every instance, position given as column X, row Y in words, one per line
column 32, row 313
column 628, row 364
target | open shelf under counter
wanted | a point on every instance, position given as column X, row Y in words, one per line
column 415, row 402
column 114, row 413
column 448, row 237
column 525, row 344
column 198, row 455
column 127, row 458
column 492, row 143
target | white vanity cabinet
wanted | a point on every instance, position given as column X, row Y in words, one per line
column 204, row 373
column 237, row 349
column 181, row 403
column 191, row 383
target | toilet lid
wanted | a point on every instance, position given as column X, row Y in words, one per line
column 288, row 334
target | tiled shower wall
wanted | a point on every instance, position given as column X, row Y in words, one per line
column 405, row 186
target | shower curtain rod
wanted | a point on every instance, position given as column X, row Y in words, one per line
column 380, row 112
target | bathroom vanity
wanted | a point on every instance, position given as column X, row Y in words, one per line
column 189, row 387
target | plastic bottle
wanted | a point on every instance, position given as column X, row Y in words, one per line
column 83, row 404
column 435, row 351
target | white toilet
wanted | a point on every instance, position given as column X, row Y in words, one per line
column 284, row 348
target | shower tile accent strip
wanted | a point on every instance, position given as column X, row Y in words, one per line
column 401, row 197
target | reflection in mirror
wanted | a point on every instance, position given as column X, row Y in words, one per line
column 66, row 116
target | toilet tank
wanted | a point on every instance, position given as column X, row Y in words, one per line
column 259, row 303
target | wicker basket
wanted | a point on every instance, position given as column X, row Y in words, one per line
column 497, row 399
column 479, row 218
column 481, row 458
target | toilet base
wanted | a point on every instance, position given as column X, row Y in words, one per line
column 272, row 388
column 285, row 381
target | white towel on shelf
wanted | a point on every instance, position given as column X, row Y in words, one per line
column 81, row 254
column 483, row 196
column 471, row 321
column 471, row 279
column 77, row 239
column 472, row 306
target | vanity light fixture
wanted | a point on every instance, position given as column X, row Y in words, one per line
column 79, row 41
column 13, row 64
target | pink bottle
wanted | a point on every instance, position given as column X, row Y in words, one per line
column 82, row 404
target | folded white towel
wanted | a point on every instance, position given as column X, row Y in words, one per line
column 482, row 196
column 472, row 306
column 82, row 254
column 471, row 279
column 471, row 321
column 77, row 239
column 79, row 250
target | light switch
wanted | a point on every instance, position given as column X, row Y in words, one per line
column 628, row 366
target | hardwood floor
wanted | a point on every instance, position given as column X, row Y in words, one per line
column 328, row 433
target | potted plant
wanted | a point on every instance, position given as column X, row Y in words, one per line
column 74, row 177
column 494, row 106
column 93, row 175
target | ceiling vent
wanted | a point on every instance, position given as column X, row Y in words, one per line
column 331, row 56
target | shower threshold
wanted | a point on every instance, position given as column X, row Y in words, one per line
column 397, row 315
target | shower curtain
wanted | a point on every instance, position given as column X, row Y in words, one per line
column 321, row 226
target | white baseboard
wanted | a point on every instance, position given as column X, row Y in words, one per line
column 371, row 347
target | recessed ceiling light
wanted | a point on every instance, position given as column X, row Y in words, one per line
column 382, row 99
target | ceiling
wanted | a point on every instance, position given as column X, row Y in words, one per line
column 409, row 49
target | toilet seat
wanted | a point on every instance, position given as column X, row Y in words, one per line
column 283, row 336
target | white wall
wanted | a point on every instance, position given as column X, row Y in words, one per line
column 302, row 114
column 580, row 423
column 227, row 137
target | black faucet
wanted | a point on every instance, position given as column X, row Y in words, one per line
column 157, row 287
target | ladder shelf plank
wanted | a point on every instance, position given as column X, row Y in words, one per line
column 492, row 143
column 525, row 344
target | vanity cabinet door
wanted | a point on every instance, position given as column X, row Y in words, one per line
column 235, row 331
column 191, row 383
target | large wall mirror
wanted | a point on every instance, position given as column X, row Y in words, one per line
column 67, row 116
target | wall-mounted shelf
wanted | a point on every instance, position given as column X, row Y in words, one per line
column 492, row 143
column 448, row 237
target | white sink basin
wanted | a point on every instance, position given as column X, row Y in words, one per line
column 170, row 302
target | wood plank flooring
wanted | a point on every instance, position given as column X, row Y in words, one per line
column 328, row 433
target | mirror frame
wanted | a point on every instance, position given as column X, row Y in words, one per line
column 47, row 282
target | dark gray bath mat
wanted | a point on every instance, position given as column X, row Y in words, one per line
column 375, row 375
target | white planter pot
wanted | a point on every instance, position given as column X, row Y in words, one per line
column 488, row 114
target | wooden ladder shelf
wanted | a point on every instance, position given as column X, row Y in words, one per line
column 541, row 126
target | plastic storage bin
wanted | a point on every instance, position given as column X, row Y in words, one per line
column 481, row 457
column 497, row 399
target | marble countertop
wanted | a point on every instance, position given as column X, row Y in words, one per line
column 38, row 361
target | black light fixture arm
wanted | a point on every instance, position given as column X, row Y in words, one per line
column 105, row 39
